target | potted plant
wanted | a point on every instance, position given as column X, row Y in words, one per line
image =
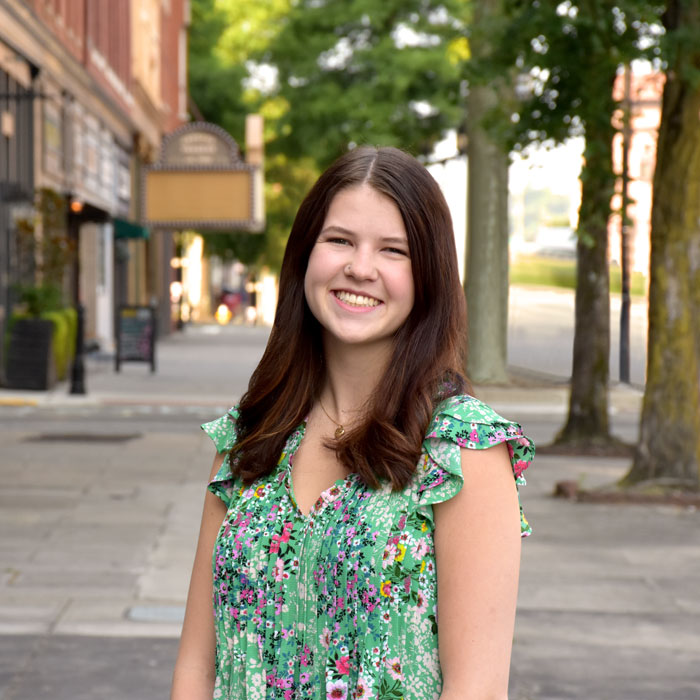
column 41, row 333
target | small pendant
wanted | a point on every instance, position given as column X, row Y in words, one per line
column 339, row 432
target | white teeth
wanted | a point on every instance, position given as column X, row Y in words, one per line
column 356, row 299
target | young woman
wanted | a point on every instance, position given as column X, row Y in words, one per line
column 362, row 512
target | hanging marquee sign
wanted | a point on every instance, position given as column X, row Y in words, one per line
column 200, row 182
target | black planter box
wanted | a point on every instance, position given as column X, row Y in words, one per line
column 30, row 363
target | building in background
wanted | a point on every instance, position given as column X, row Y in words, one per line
column 85, row 100
column 642, row 93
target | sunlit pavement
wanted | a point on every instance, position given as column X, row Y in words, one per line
column 101, row 500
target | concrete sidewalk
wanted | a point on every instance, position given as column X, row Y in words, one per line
column 97, row 536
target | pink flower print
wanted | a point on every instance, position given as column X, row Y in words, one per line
column 420, row 548
column 362, row 690
column 402, row 522
column 421, row 603
column 284, row 537
column 386, row 589
column 394, row 666
column 342, row 665
column 288, row 694
column 519, row 467
column 389, row 555
column 337, row 690
column 325, row 638
column 304, row 677
column 474, row 436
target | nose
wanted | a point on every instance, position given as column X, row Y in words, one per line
column 361, row 265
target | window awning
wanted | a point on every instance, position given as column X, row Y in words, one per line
column 127, row 229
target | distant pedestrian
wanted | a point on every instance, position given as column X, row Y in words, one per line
column 363, row 517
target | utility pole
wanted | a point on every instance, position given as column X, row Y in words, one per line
column 624, row 230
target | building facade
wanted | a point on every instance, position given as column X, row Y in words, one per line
column 85, row 104
column 640, row 93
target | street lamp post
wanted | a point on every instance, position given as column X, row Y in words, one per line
column 77, row 377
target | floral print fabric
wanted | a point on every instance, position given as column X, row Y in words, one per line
column 341, row 602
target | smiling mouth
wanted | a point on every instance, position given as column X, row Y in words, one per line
column 358, row 300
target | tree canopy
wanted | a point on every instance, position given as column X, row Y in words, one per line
column 325, row 75
column 365, row 71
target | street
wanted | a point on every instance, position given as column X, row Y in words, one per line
column 101, row 501
column 541, row 332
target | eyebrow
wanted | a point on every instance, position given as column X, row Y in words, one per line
column 348, row 232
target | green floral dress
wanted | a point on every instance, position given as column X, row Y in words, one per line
column 342, row 602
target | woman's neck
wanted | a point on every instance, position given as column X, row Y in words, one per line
column 352, row 375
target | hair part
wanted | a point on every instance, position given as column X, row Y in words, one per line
column 429, row 350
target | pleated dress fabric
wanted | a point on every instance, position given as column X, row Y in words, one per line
column 340, row 602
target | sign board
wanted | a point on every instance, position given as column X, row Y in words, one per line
column 136, row 335
column 201, row 182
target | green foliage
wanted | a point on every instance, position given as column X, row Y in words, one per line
column 365, row 71
column 563, row 57
column 214, row 83
column 550, row 272
column 61, row 342
column 40, row 298
column 71, row 316
column 43, row 239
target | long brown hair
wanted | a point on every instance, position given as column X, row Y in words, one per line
column 429, row 350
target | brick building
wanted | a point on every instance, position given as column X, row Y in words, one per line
column 84, row 103
column 643, row 93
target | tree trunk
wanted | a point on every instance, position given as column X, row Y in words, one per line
column 486, row 283
column 669, row 445
column 587, row 421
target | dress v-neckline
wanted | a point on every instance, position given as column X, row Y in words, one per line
column 328, row 495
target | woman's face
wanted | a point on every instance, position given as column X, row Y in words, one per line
column 359, row 283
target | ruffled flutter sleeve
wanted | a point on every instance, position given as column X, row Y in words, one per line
column 223, row 433
column 465, row 422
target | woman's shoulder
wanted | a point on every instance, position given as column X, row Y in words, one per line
column 464, row 422
column 223, row 430
column 467, row 420
column 224, row 434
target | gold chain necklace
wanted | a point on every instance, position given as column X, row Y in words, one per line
column 340, row 430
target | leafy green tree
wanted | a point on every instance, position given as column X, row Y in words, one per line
column 215, row 79
column 669, row 445
column 566, row 56
column 364, row 71
column 223, row 36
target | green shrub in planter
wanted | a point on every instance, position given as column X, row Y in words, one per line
column 61, row 342
column 72, row 320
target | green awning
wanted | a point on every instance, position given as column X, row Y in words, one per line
column 126, row 229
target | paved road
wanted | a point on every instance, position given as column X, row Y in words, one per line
column 101, row 498
column 541, row 332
